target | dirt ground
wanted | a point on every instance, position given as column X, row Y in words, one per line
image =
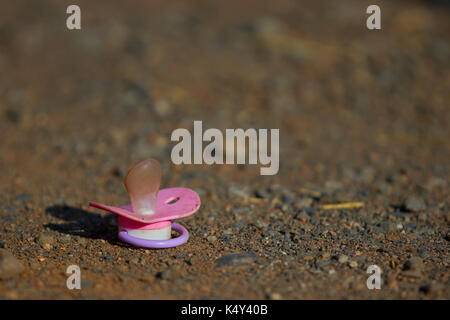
column 363, row 117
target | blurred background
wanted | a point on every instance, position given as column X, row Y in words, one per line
column 363, row 116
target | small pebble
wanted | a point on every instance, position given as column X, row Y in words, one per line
column 332, row 185
column 168, row 274
column 236, row 259
column 261, row 194
column 302, row 216
column 162, row 107
column 304, row 203
column 275, row 296
column 388, row 226
column 415, row 204
column 9, row 265
column 415, row 264
column 237, row 191
column 343, row 258
column 46, row 241
column 66, row 238
column 431, row 288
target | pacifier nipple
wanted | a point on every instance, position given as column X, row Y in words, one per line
column 142, row 183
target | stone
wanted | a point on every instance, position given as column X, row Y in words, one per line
column 162, row 107
column 10, row 266
column 46, row 241
column 236, row 259
column 238, row 192
column 332, row 185
column 22, row 198
column 262, row 194
column 302, row 216
column 275, row 296
column 388, row 226
column 415, row 204
column 8, row 209
column 65, row 238
column 367, row 174
column 168, row 274
column 415, row 264
column 343, row 258
column 431, row 288
column 436, row 182
column 303, row 203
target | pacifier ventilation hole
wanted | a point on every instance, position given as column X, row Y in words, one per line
column 172, row 200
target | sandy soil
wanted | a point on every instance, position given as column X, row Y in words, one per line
column 363, row 117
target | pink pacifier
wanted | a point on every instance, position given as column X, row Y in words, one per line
column 147, row 222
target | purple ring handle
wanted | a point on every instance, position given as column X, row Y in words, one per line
column 157, row 244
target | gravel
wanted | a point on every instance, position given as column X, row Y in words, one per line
column 274, row 66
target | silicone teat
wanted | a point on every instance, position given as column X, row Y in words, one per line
column 142, row 183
